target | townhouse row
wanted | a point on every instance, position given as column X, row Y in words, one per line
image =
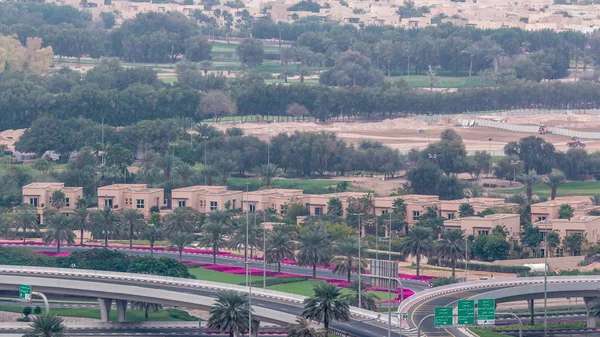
column 206, row 199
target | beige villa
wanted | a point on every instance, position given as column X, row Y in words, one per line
column 39, row 195
column 582, row 206
column 136, row 196
column 476, row 225
column 206, row 199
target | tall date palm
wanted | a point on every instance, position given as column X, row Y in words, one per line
column 315, row 248
column 326, row 305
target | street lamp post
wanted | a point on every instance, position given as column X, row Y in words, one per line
column 264, row 245
column 545, row 277
column 269, row 142
column 490, row 152
column 359, row 261
column 248, row 273
column 514, row 164
column 205, row 141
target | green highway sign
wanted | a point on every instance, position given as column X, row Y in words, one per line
column 466, row 312
column 443, row 316
column 24, row 292
column 486, row 311
column 405, row 316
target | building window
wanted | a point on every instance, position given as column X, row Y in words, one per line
column 67, row 202
column 50, row 199
column 318, row 210
column 213, row 205
column 108, row 203
column 252, row 208
column 201, row 203
column 283, row 209
column 233, row 202
column 128, row 201
column 450, row 216
column 541, row 218
column 416, row 215
column 139, row 203
column 483, row 232
column 181, row 203
column 33, row 202
column 384, row 212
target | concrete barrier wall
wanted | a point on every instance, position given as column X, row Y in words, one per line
column 554, row 263
column 527, row 128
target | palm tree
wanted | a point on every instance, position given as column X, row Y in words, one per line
column 105, row 224
column 145, row 306
column 25, row 218
column 179, row 241
column 303, row 328
column 47, row 325
column 180, row 220
column 594, row 309
column 465, row 210
column 554, row 180
column 268, row 172
column 595, row 199
column 60, row 229
column 133, row 222
column 418, row 242
column 58, row 199
column 81, row 221
column 315, row 248
column 347, row 260
column 230, row 313
column 368, row 300
column 5, row 226
column 238, row 239
column 326, row 305
column 153, row 234
column 279, row 247
column 184, row 172
column 529, row 179
column 452, row 247
column 213, row 236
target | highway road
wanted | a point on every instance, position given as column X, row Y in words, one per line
column 366, row 328
column 238, row 262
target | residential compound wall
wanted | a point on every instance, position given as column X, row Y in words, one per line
column 485, row 14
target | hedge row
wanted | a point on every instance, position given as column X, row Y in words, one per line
column 488, row 267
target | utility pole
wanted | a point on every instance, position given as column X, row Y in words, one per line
column 102, row 158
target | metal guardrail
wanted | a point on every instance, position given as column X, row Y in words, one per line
column 174, row 281
column 473, row 285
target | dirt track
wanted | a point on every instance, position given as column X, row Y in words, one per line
column 407, row 133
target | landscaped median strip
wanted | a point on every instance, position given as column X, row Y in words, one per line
column 259, row 272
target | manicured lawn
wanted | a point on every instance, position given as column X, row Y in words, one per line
column 169, row 80
column 305, row 288
column 222, row 47
column 132, row 315
column 215, row 276
column 486, row 333
column 310, row 186
column 140, row 242
column 567, row 189
column 422, row 81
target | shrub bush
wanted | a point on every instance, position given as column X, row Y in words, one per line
column 488, row 267
column 181, row 315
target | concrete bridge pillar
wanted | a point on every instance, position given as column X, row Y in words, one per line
column 122, row 310
column 591, row 321
column 105, row 304
column 531, row 304
column 255, row 328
